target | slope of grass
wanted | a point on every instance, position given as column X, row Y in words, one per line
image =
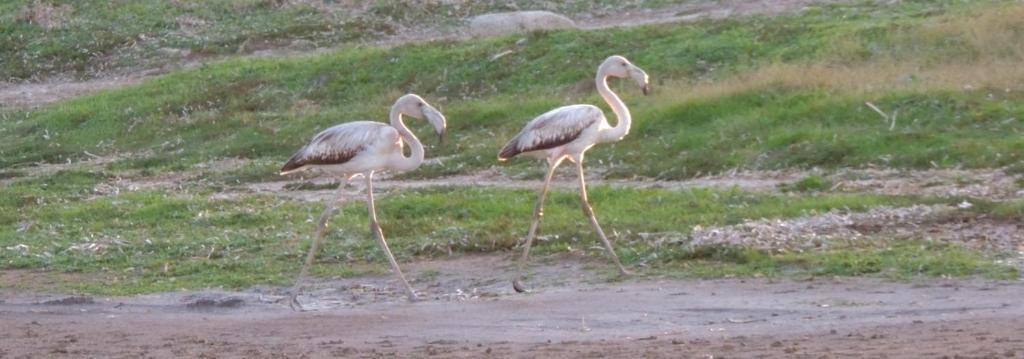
column 752, row 93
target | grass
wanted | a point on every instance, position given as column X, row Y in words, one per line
column 42, row 38
column 39, row 38
column 1009, row 210
column 753, row 93
column 148, row 241
column 758, row 93
column 812, row 183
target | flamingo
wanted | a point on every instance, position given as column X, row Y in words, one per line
column 566, row 133
column 361, row 148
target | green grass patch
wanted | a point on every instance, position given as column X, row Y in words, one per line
column 152, row 241
column 1009, row 210
column 812, row 183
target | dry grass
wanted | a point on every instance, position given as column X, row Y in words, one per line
column 865, row 78
column 45, row 14
column 983, row 50
column 996, row 33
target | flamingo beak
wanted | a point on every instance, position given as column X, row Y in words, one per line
column 437, row 120
column 641, row 79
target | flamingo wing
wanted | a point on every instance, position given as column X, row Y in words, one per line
column 552, row 129
column 336, row 145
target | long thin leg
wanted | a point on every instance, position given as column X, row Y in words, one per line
column 375, row 228
column 321, row 229
column 593, row 220
column 538, row 212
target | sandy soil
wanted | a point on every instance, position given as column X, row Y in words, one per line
column 470, row 311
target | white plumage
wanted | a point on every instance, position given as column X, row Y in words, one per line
column 349, row 148
column 555, row 129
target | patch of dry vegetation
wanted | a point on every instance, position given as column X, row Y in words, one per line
column 979, row 49
column 44, row 14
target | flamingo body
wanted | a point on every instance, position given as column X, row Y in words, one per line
column 563, row 131
column 354, row 147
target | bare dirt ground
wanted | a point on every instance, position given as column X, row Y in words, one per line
column 470, row 310
column 41, row 93
column 34, row 94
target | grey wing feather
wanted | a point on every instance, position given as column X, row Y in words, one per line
column 335, row 145
column 552, row 129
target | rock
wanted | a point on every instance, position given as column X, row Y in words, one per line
column 497, row 24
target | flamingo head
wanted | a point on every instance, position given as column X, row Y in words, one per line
column 414, row 106
column 618, row 66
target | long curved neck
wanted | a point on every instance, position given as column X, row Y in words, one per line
column 414, row 160
column 621, row 111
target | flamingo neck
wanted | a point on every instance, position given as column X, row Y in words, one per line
column 621, row 111
column 406, row 163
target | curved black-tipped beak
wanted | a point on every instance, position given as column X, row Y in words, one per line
column 437, row 120
column 641, row 79
column 440, row 137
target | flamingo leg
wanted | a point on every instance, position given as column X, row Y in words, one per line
column 321, row 229
column 375, row 228
column 538, row 212
column 589, row 212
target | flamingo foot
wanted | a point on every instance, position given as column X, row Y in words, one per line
column 293, row 302
column 518, row 286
